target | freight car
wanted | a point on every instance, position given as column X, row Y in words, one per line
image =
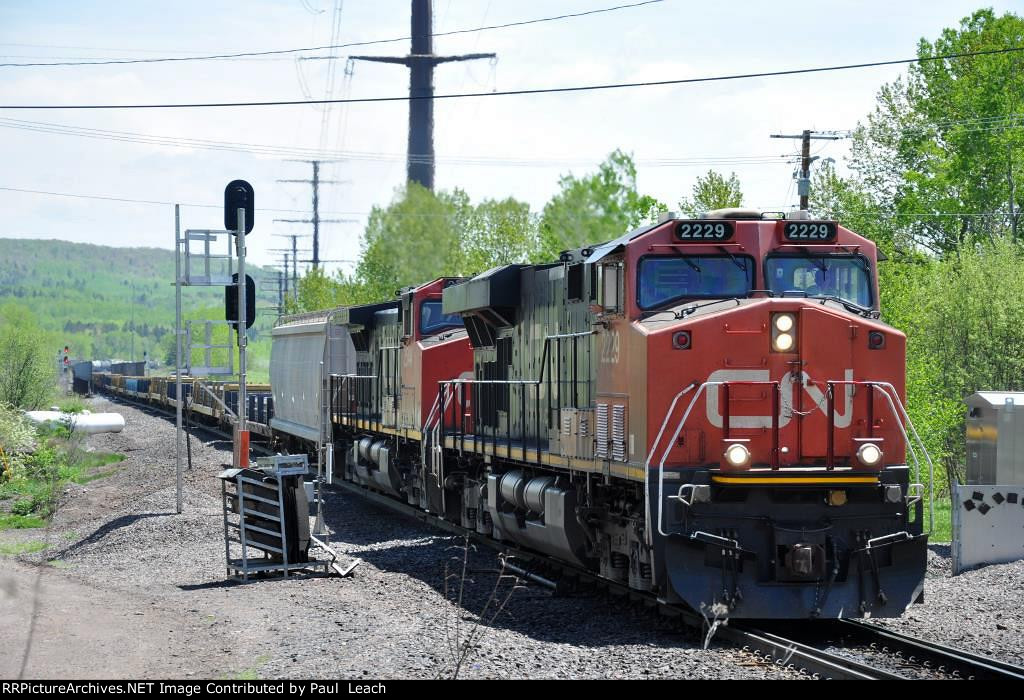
column 214, row 403
column 708, row 409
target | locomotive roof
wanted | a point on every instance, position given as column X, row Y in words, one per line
column 608, row 247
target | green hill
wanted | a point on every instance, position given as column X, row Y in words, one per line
column 100, row 300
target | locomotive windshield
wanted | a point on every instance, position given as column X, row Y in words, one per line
column 432, row 320
column 665, row 279
column 845, row 277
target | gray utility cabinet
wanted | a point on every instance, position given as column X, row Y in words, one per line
column 995, row 438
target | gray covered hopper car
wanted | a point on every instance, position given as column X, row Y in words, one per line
column 301, row 344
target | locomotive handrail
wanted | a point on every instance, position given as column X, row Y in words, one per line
column 931, row 468
column 435, row 418
column 888, row 392
column 893, row 398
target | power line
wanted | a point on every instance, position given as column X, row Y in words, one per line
column 922, row 215
column 330, row 47
column 533, row 91
column 128, row 200
column 300, row 152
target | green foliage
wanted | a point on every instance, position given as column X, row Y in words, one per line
column 942, row 152
column 97, row 298
column 36, row 476
column 17, row 436
column 848, row 201
column 595, row 208
column 27, row 370
column 71, row 404
column 420, row 236
column 423, row 235
column 712, row 191
column 964, row 319
column 416, row 238
column 499, row 232
column 257, row 352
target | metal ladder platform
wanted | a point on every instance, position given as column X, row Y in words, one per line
column 254, row 519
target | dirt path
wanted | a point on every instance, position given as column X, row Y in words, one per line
column 52, row 622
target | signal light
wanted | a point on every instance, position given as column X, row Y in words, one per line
column 876, row 340
column 682, row 340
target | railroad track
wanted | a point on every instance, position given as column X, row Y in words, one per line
column 807, row 647
column 796, row 651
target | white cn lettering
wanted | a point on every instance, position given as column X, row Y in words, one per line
column 843, row 415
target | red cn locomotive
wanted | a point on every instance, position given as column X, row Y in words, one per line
column 707, row 409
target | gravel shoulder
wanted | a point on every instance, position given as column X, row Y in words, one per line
column 135, row 590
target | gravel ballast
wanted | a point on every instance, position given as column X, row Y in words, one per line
column 394, row 617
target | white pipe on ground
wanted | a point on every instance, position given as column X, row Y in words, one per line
column 90, row 423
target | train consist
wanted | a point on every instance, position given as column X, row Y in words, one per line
column 710, row 410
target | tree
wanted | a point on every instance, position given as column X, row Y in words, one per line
column 421, row 236
column 712, row 191
column 499, row 233
column 848, row 201
column 27, row 373
column 417, row 237
column 595, row 208
column 943, row 152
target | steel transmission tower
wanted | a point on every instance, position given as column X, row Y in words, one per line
column 316, row 220
column 420, row 62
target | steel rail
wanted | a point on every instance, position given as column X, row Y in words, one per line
column 952, row 660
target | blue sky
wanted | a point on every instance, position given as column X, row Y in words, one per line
column 527, row 142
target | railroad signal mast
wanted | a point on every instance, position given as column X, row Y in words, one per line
column 803, row 176
column 239, row 215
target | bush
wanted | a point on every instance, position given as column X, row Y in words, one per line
column 16, row 434
column 27, row 372
column 24, row 506
column 964, row 320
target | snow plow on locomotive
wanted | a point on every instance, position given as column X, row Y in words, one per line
column 708, row 410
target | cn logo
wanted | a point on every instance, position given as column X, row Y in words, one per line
column 844, row 413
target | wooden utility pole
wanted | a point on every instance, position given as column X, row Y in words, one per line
column 420, row 62
column 804, row 179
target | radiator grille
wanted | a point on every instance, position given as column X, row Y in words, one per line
column 601, row 448
column 619, row 433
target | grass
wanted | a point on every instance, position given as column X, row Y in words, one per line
column 71, row 404
column 20, row 522
column 10, row 550
column 943, row 531
column 36, row 483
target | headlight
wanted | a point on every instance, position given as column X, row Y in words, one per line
column 869, row 454
column 784, row 322
column 737, row 455
column 783, row 342
column 784, row 332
